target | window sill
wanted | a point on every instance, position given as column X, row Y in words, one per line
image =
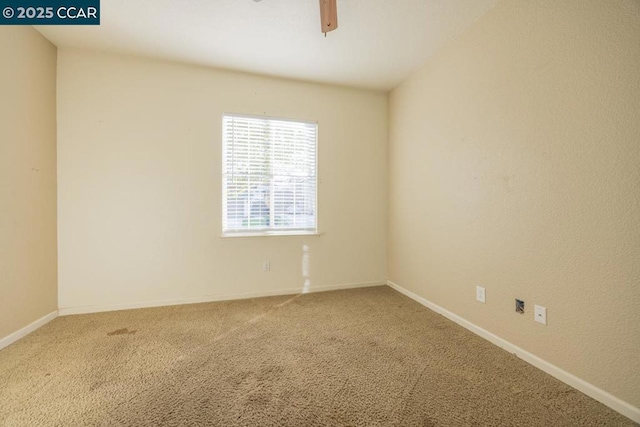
column 271, row 234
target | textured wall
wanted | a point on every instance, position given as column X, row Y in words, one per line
column 515, row 165
column 28, row 264
column 139, row 183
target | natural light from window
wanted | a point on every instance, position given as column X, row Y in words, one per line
column 269, row 179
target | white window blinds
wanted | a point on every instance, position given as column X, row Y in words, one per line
column 268, row 175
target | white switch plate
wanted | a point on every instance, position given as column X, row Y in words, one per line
column 540, row 314
column 266, row 266
column 480, row 294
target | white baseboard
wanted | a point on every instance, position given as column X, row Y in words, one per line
column 589, row 389
column 65, row 311
column 10, row 339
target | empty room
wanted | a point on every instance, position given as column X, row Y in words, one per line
column 320, row 213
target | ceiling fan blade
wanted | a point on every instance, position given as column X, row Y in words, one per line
column 328, row 15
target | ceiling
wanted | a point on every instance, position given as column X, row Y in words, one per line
column 378, row 43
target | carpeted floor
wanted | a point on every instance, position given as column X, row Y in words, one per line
column 363, row 357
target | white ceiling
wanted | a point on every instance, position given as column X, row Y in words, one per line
column 377, row 44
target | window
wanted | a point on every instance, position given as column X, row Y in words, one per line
column 268, row 175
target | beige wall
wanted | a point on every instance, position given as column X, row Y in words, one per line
column 515, row 165
column 28, row 265
column 139, row 158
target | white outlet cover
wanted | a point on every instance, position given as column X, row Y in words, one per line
column 540, row 314
column 480, row 294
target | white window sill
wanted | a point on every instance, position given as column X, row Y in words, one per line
column 270, row 234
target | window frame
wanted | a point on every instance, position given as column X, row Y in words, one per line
column 268, row 232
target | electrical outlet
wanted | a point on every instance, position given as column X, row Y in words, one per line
column 519, row 306
column 480, row 294
column 266, row 266
column 540, row 314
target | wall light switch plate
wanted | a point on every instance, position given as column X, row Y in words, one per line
column 480, row 294
column 540, row 314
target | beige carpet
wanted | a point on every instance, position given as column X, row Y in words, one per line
column 364, row 357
